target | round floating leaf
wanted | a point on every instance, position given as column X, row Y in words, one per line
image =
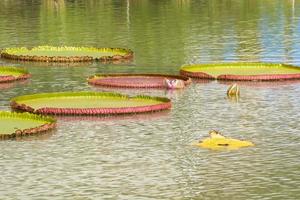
column 20, row 124
column 9, row 74
column 242, row 71
column 67, row 54
column 88, row 103
column 139, row 80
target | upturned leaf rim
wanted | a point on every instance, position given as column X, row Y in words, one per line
column 186, row 70
column 48, row 124
column 97, row 80
column 121, row 54
column 164, row 103
column 24, row 74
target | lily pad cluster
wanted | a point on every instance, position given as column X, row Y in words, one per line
column 108, row 103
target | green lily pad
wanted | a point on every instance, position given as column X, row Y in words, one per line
column 138, row 80
column 242, row 71
column 18, row 124
column 8, row 74
column 88, row 103
column 66, row 54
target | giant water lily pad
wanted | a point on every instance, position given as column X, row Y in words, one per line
column 9, row 74
column 66, row 54
column 88, row 103
column 19, row 124
column 242, row 71
column 139, row 80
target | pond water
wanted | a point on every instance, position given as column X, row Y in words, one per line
column 149, row 156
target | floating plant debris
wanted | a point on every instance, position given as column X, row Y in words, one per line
column 217, row 141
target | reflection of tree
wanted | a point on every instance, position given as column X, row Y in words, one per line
column 53, row 21
column 228, row 28
column 155, row 25
column 16, row 18
column 288, row 32
column 278, row 31
column 164, row 32
column 246, row 32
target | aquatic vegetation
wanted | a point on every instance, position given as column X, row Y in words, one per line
column 174, row 84
column 67, row 54
column 88, row 103
column 242, row 71
column 14, row 124
column 9, row 74
column 217, row 141
column 140, row 80
column 233, row 91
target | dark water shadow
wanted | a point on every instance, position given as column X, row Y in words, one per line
column 202, row 81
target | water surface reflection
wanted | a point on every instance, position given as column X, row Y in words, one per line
column 151, row 157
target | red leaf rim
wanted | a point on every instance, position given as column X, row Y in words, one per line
column 163, row 104
column 10, row 78
column 95, row 80
column 262, row 77
column 231, row 77
column 49, row 124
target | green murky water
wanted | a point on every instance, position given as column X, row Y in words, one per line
column 150, row 156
